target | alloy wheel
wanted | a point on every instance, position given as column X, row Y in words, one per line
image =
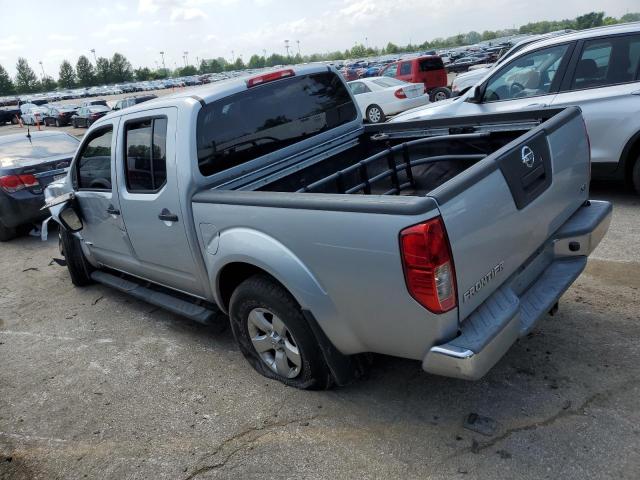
column 274, row 343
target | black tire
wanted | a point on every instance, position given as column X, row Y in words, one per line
column 7, row 233
column 439, row 94
column 14, row 120
column 74, row 124
column 375, row 114
column 261, row 291
column 635, row 176
column 79, row 268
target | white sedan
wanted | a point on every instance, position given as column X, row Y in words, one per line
column 379, row 97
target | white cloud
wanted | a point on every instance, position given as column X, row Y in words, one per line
column 61, row 38
column 9, row 43
column 118, row 41
column 187, row 14
column 110, row 28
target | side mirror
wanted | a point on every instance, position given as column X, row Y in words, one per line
column 70, row 219
column 476, row 96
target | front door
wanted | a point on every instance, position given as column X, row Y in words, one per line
column 97, row 193
column 151, row 200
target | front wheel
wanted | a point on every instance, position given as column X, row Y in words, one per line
column 439, row 94
column 274, row 336
column 375, row 114
column 79, row 268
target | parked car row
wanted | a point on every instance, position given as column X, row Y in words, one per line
column 82, row 115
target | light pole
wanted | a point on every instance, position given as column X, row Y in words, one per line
column 286, row 46
column 366, row 42
column 186, row 58
column 95, row 59
column 298, row 42
column 162, row 55
column 233, row 56
column 264, row 53
column 43, row 74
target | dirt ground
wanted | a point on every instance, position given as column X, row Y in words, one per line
column 97, row 385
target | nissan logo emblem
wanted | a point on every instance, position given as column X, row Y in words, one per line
column 528, row 157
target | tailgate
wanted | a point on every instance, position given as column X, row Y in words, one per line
column 500, row 212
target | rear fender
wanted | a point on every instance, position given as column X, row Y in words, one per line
column 260, row 250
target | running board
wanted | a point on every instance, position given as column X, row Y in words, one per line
column 197, row 313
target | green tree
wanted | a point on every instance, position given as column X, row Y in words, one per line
column 256, row 61
column 589, row 20
column 120, row 69
column 103, row 70
column 66, row 77
column 85, row 72
column 186, row 71
column 358, row 51
column 6, row 85
column 26, row 80
column 391, row 48
column 48, row 84
column 630, row 17
column 142, row 74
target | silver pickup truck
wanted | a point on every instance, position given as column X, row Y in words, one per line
column 265, row 198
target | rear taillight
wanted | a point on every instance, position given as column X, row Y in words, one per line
column 13, row 183
column 428, row 265
column 270, row 77
column 400, row 93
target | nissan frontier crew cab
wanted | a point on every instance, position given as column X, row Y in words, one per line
column 267, row 199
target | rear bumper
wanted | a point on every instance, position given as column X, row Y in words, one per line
column 514, row 309
column 21, row 208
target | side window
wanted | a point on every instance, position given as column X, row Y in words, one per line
column 607, row 61
column 390, row 71
column 94, row 164
column 145, row 155
column 431, row 64
column 528, row 76
column 405, row 68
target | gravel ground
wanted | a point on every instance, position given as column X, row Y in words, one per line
column 98, row 385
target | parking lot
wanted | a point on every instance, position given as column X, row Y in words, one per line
column 98, row 385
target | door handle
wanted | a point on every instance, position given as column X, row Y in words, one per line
column 167, row 216
column 538, row 105
column 111, row 210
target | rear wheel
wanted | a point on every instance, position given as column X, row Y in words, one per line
column 375, row 114
column 274, row 336
column 439, row 94
column 79, row 268
column 635, row 176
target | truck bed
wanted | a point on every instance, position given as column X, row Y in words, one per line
column 388, row 159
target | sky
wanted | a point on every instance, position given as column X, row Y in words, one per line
column 47, row 31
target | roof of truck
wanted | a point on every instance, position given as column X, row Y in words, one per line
column 212, row 91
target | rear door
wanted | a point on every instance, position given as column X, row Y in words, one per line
column 150, row 200
column 604, row 82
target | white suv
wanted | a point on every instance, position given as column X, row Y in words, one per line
column 596, row 69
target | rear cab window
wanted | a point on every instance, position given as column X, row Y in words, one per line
column 405, row 68
column 247, row 125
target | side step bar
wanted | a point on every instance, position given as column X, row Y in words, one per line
column 197, row 313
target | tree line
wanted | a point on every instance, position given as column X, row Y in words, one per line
column 118, row 69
